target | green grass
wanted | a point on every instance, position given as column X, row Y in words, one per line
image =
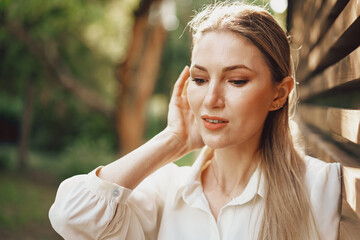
column 25, row 199
column 24, row 207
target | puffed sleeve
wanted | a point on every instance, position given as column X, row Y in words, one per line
column 324, row 182
column 87, row 207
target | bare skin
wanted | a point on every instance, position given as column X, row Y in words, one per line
column 241, row 95
column 177, row 139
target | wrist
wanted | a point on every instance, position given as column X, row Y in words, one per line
column 177, row 146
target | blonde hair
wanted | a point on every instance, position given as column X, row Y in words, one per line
column 287, row 211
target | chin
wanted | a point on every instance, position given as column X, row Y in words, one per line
column 215, row 143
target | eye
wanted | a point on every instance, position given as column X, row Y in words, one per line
column 199, row 81
column 238, row 83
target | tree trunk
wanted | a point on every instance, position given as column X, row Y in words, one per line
column 138, row 75
column 26, row 126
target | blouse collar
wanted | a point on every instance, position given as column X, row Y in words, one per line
column 192, row 193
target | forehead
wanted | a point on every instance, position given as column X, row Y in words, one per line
column 225, row 48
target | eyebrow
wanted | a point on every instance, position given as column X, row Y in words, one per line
column 225, row 69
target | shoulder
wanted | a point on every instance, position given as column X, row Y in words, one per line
column 322, row 178
column 320, row 172
column 324, row 186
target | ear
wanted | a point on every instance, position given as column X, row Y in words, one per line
column 282, row 92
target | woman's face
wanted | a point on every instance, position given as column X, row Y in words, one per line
column 230, row 91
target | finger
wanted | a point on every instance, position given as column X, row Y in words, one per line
column 184, row 91
column 179, row 85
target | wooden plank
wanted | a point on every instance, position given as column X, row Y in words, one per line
column 315, row 26
column 344, row 71
column 349, row 15
column 350, row 219
column 324, row 19
column 352, row 189
column 300, row 23
column 341, row 122
column 314, row 23
column 321, row 147
column 310, row 11
column 349, row 222
column 330, row 47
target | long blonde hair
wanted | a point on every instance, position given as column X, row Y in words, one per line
column 287, row 212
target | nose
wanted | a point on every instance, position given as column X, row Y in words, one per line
column 215, row 96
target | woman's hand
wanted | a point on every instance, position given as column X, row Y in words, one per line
column 179, row 137
column 181, row 120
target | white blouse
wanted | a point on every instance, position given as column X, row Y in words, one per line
column 170, row 205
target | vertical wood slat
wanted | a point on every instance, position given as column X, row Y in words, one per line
column 349, row 225
column 349, row 15
column 328, row 32
column 317, row 13
column 309, row 10
column 342, row 122
column 346, row 70
column 320, row 146
column 352, row 182
column 328, row 12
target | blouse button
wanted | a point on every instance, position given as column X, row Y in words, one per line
column 116, row 193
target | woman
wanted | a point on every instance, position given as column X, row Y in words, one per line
column 249, row 182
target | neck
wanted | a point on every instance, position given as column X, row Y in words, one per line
column 233, row 167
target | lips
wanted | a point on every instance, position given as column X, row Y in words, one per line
column 213, row 122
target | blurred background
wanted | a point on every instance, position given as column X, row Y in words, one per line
column 82, row 83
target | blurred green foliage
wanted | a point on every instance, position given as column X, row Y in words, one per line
column 89, row 38
column 85, row 155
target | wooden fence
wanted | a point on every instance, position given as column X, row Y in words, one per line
column 328, row 32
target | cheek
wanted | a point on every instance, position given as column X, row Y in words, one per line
column 259, row 101
column 266, row 98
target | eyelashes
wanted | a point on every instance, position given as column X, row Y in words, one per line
column 199, row 81
column 237, row 83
